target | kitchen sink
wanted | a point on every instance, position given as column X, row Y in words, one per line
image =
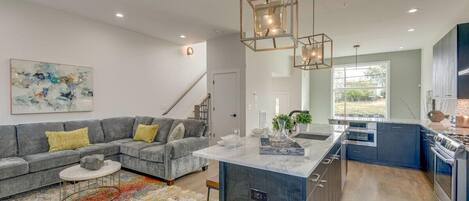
column 312, row 136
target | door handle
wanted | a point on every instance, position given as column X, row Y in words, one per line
column 441, row 157
column 233, row 115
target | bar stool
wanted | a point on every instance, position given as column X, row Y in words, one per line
column 212, row 183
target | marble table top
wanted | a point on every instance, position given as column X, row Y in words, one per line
column 301, row 166
column 77, row 173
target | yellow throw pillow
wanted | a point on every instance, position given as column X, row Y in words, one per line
column 146, row 133
column 67, row 140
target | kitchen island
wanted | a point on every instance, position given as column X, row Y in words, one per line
column 247, row 175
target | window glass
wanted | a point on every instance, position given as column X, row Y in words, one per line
column 360, row 91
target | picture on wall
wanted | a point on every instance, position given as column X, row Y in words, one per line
column 42, row 87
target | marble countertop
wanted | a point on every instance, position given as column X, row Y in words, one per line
column 379, row 120
column 301, row 166
column 443, row 127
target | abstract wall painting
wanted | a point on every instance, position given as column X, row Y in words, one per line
column 41, row 87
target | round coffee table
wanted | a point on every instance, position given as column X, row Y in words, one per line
column 80, row 180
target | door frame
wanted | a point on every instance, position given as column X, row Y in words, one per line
column 274, row 93
column 212, row 91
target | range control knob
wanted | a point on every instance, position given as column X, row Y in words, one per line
column 438, row 138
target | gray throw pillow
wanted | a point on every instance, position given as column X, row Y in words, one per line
column 177, row 133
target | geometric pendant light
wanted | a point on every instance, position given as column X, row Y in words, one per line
column 268, row 24
column 314, row 51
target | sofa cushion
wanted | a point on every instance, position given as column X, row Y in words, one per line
column 153, row 153
column 133, row 148
column 194, row 128
column 122, row 141
column 95, row 131
column 165, row 127
column 117, row 128
column 9, row 146
column 32, row 137
column 107, row 149
column 12, row 167
column 186, row 146
column 141, row 120
column 44, row 161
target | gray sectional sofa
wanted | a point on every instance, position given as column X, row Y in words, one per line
column 26, row 164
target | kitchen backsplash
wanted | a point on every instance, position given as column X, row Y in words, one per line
column 462, row 107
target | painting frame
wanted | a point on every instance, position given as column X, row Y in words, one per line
column 60, row 68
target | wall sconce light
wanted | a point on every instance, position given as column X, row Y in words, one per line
column 189, row 51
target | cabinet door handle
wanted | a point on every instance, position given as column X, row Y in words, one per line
column 396, row 127
column 327, row 161
column 449, row 95
column 323, row 181
column 316, row 179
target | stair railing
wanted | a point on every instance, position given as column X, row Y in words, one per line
column 184, row 94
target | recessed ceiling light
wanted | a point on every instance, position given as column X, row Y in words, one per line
column 182, row 36
column 413, row 10
column 119, row 15
column 411, row 30
column 401, row 47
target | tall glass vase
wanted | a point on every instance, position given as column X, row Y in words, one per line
column 282, row 131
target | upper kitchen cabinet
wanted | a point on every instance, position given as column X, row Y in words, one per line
column 451, row 64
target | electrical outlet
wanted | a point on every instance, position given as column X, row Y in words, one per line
column 258, row 195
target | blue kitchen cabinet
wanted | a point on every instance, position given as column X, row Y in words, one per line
column 427, row 158
column 361, row 153
column 399, row 145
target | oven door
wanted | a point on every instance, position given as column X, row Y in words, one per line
column 361, row 137
column 445, row 175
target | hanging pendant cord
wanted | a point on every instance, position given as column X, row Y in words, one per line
column 314, row 13
column 356, row 58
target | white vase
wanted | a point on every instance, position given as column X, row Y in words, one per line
column 302, row 127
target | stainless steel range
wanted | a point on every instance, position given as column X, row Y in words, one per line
column 450, row 168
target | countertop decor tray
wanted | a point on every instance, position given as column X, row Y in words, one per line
column 270, row 146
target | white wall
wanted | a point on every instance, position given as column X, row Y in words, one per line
column 404, row 84
column 134, row 74
column 227, row 53
column 266, row 73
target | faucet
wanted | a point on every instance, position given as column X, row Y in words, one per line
column 297, row 111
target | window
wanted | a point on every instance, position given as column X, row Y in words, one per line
column 361, row 91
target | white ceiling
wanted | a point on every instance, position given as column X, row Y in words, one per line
column 378, row 25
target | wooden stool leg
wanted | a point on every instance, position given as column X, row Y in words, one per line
column 208, row 194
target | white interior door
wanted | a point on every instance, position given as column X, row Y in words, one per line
column 225, row 107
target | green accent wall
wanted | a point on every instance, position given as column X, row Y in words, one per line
column 404, row 80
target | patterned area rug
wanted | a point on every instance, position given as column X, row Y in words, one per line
column 133, row 187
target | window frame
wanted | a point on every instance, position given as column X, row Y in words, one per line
column 387, row 65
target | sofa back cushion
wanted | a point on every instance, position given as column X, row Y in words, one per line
column 141, row 120
column 95, row 131
column 194, row 128
column 117, row 128
column 8, row 144
column 32, row 137
column 165, row 126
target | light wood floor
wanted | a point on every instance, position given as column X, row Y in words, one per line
column 365, row 182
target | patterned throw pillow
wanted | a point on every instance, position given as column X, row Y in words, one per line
column 67, row 140
column 177, row 133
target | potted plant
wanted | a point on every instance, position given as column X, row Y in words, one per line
column 302, row 120
column 282, row 117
